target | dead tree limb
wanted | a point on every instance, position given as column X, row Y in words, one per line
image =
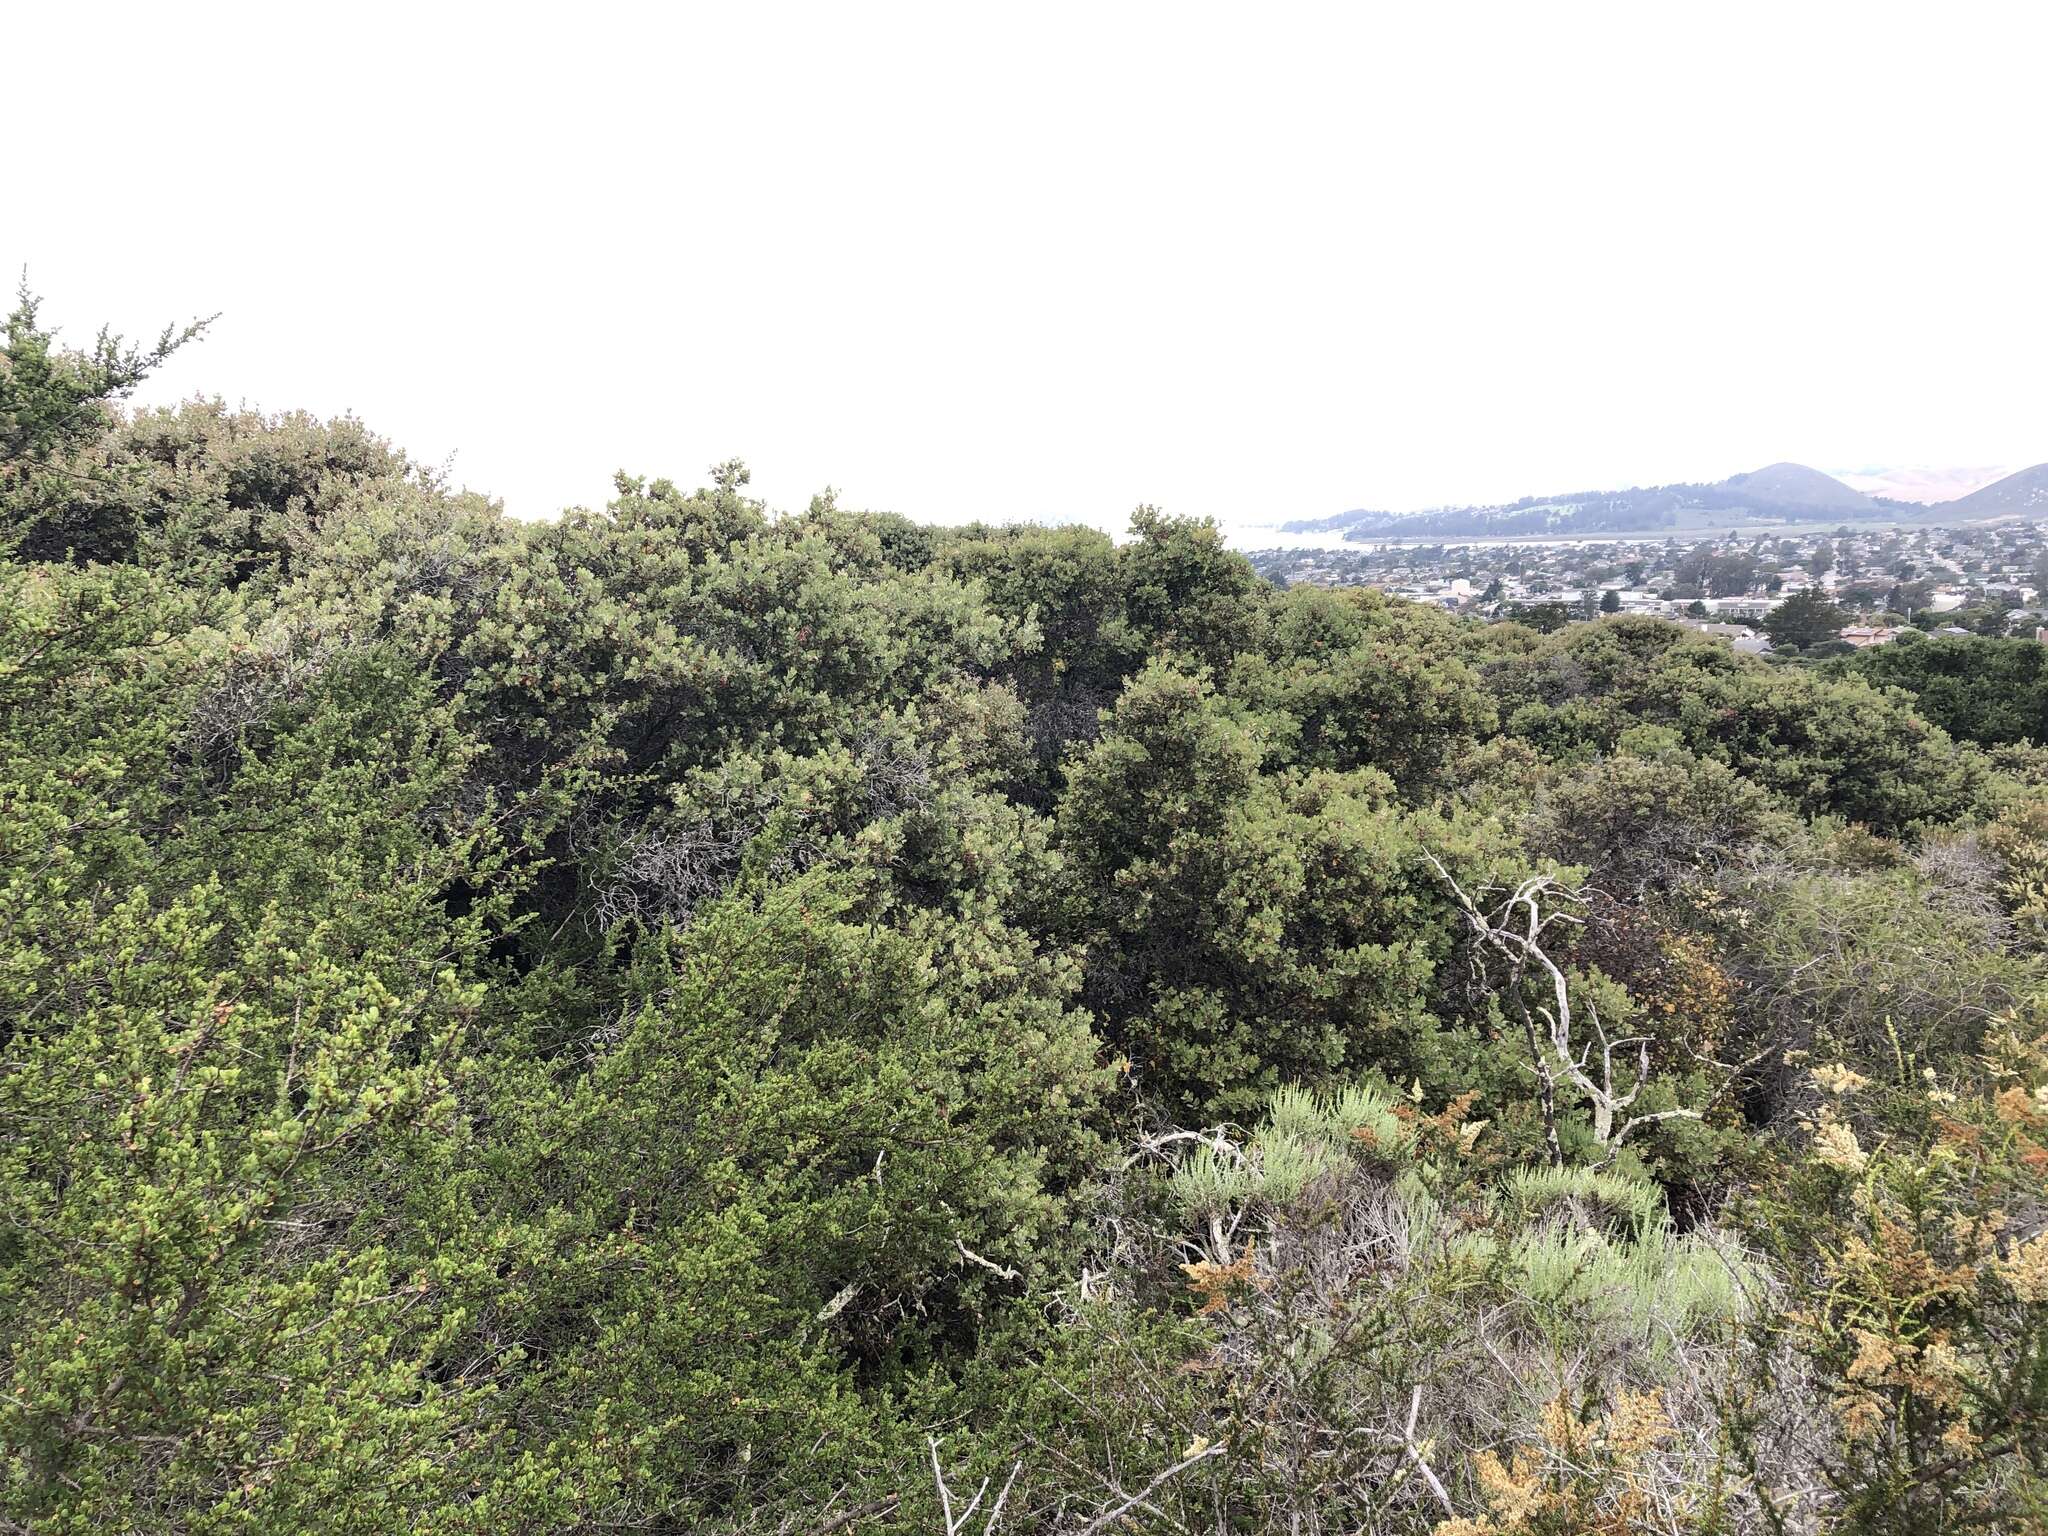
column 956, row 1525
column 1144, row 1495
column 1517, row 928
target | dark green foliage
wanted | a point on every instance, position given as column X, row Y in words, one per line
column 1352, row 681
column 1992, row 692
column 1716, row 572
column 1825, row 744
column 1804, row 619
column 1544, row 618
column 1245, row 928
column 56, row 403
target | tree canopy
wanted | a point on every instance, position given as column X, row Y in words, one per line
column 1806, row 618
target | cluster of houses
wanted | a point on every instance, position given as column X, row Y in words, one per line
column 1722, row 584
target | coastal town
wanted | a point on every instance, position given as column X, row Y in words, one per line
column 1985, row 579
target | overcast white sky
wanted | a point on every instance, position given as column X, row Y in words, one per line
column 1254, row 261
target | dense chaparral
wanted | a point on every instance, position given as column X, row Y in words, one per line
column 687, row 1018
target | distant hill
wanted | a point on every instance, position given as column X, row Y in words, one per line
column 1795, row 485
column 1777, row 493
column 2025, row 493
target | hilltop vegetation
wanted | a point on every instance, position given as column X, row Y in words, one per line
column 684, row 1018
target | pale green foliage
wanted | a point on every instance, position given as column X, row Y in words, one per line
column 1419, row 1305
column 1587, row 1196
column 1573, row 1241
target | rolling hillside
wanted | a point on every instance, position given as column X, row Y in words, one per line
column 2023, row 494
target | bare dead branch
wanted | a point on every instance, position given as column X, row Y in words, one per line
column 993, row 1268
column 1117, row 1511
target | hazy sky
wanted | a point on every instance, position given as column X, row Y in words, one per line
column 965, row 260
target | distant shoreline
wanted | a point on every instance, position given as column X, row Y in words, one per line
column 1277, row 539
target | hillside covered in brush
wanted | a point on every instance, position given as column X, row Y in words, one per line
column 693, row 1018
